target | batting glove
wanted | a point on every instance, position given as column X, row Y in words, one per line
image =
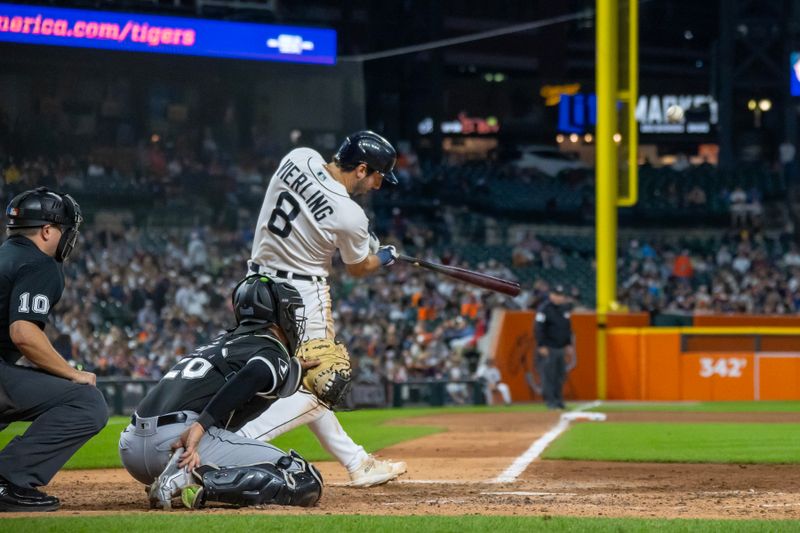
column 387, row 255
column 374, row 243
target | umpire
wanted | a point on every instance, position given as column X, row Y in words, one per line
column 553, row 345
column 63, row 403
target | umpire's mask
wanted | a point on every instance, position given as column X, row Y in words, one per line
column 40, row 207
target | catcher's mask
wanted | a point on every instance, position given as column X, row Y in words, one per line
column 259, row 301
column 40, row 207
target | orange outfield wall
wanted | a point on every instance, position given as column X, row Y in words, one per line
column 513, row 351
column 652, row 364
column 647, row 363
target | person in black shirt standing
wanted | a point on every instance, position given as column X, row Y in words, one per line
column 553, row 345
column 199, row 404
column 63, row 404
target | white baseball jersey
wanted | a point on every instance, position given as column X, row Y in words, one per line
column 306, row 216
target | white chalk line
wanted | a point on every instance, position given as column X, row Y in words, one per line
column 522, row 462
column 417, row 482
column 439, row 481
column 526, row 493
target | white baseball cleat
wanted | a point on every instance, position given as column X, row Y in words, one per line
column 375, row 472
column 168, row 484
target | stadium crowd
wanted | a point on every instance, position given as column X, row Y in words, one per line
column 745, row 271
column 136, row 302
column 140, row 298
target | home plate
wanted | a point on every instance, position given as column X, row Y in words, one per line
column 582, row 415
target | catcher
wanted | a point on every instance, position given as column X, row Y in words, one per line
column 212, row 392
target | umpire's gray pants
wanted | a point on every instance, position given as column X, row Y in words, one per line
column 553, row 373
column 145, row 448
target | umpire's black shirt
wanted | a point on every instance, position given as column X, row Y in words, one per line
column 31, row 283
column 552, row 325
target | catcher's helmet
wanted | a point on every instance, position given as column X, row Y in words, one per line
column 258, row 301
column 370, row 148
column 40, row 207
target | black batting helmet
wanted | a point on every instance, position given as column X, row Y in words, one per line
column 258, row 301
column 371, row 149
column 40, row 207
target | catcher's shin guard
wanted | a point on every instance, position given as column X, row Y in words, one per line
column 261, row 484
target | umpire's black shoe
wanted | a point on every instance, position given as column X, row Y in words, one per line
column 14, row 498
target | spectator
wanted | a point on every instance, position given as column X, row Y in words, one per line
column 526, row 251
column 742, row 263
column 490, row 375
column 197, row 254
column 792, row 257
column 682, row 267
column 753, row 207
column 724, row 256
column 738, row 207
column 696, row 198
column 458, row 392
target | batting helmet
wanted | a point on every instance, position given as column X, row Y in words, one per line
column 371, row 149
column 40, row 207
column 258, row 301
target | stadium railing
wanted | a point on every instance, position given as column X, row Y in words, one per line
column 123, row 394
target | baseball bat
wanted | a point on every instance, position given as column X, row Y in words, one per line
column 485, row 281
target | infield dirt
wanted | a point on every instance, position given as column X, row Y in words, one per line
column 448, row 474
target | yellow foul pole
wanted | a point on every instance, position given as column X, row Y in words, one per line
column 606, row 175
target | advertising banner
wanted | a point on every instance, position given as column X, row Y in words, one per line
column 125, row 32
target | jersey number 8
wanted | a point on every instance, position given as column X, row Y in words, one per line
column 278, row 212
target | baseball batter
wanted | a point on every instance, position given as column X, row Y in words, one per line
column 198, row 404
column 307, row 215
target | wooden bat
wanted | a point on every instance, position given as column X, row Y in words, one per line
column 485, row 281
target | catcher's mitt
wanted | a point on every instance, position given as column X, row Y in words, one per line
column 330, row 381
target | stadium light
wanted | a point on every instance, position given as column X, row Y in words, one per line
column 758, row 108
column 560, row 138
column 573, row 137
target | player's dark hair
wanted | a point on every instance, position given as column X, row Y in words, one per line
column 347, row 167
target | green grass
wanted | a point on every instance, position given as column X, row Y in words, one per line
column 100, row 452
column 367, row 427
column 703, row 407
column 679, row 442
column 230, row 523
column 372, row 428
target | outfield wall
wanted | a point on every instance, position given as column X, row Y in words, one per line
column 757, row 362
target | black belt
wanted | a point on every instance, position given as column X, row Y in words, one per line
column 256, row 269
column 163, row 420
